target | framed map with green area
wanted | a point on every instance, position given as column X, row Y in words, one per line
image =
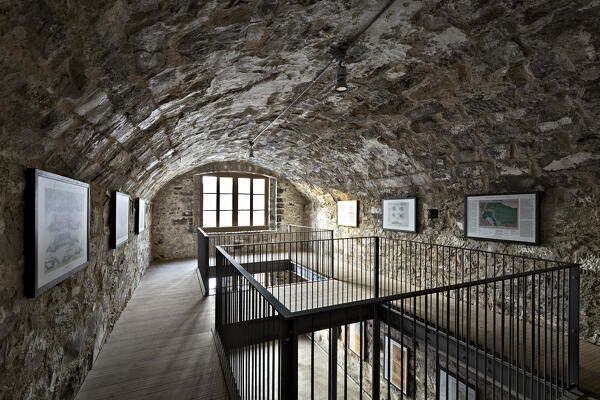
column 512, row 217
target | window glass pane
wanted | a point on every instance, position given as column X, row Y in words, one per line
column 226, row 202
column 225, row 218
column 209, row 184
column 209, row 219
column 259, row 202
column 226, row 185
column 209, row 202
column 258, row 218
column 244, row 185
column 244, row 218
column 243, row 202
column 259, row 186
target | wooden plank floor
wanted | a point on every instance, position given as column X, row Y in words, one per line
column 162, row 346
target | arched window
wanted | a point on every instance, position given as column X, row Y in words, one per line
column 234, row 202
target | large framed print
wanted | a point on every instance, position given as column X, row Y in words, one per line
column 140, row 216
column 119, row 221
column 399, row 366
column 510, row 217
column 347, row 213
column 57, row 229
column 400, row 214
column 446, row 388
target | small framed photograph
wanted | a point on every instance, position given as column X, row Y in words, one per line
column 399, row 366
column 447, row 387
column 119, row 221
column 512, row 217
column 57, row 229
column 355, row 336
column 140, row 216
column 347, row 213
column 400, row 214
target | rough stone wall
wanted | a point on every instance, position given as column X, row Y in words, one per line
column 292, row 206
column 569, row 221
column 174, row 232
column 48, row 344
column 176, row 207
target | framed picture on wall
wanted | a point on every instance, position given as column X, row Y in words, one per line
column 446, row 387
column 400, row 214
column 140, row 216
column 510, row 217
column 119, row 220
column 347, row 213
column 355, row 336
column 57, row 229
column 398, row 354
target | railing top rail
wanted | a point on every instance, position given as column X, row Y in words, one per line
column 425, row 292
column 461, row 249
column 309, row 227
column 283, row 310
column 202, row 232
column 297, row 241
column 464, row 249
column 256, row 233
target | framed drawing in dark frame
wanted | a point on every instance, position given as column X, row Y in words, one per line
column 398, row 353
column 57, row 229
column 140, row 215
column 347, row 213
column 119, row 219
column 510, row 217
column 400, row 214
column 446, row 387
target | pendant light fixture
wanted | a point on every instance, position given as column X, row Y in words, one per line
column 341, row 85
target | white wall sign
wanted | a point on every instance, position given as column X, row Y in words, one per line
column 347, row 213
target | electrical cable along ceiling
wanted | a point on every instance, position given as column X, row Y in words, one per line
column 338, row 53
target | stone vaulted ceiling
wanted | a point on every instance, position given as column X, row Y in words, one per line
column 445, row 94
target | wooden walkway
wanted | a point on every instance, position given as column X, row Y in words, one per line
column 162, row 346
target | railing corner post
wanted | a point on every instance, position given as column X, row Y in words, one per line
column 203, row 261
column 376, row 371
column 219, row 291
column 574, row 280
column 288, row 362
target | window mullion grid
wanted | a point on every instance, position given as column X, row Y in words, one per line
column 218, row 201
column 265, row 195
column 234, row 202
column 251, row 202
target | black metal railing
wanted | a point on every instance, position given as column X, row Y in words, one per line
column 208, row 242
column 441, row 321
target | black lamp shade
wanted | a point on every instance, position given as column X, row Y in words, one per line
column 341, row 85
